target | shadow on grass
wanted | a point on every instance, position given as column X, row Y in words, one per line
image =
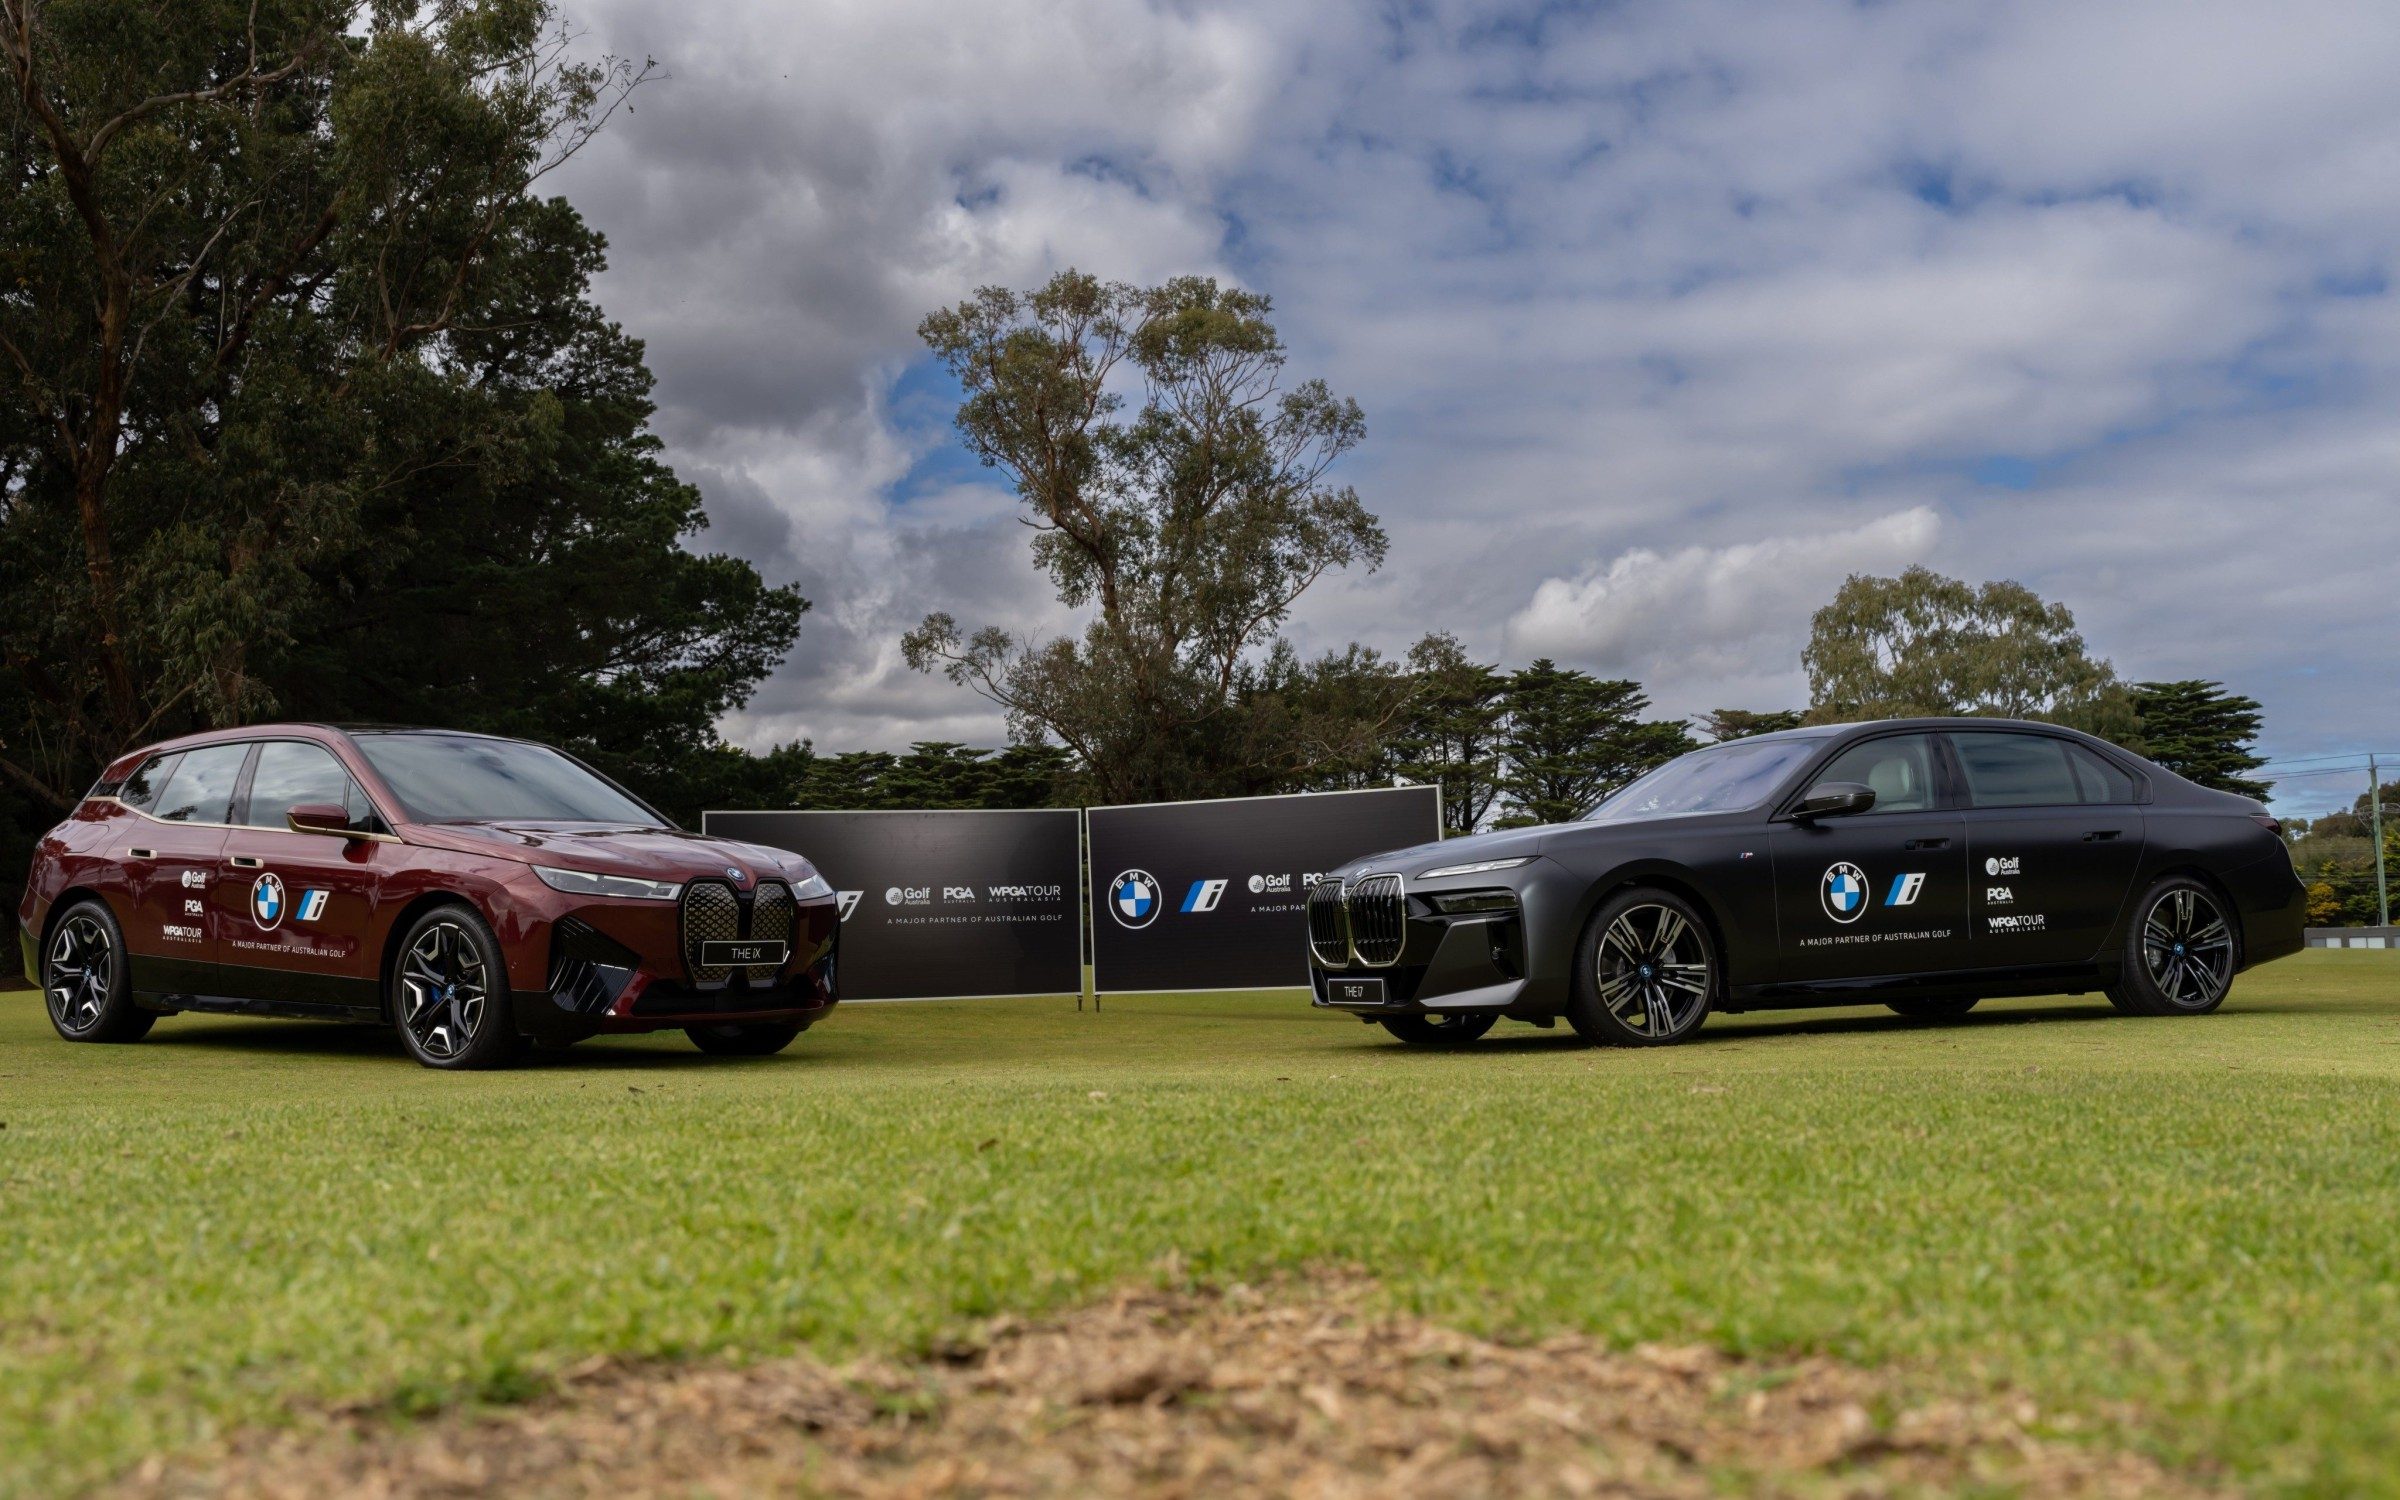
column 282, row 1037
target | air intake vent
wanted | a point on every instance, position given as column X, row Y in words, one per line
column 1328, row 925
column 1378, row 920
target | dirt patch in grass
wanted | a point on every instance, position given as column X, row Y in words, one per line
column 1295, row 1389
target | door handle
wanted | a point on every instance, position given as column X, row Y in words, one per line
column 1926, row 844
column 2101, row 835
column 143, row 853
column 248, row 862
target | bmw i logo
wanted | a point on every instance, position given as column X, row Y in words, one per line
column 266, row 902
column 1133, row 898
column 1844, row 892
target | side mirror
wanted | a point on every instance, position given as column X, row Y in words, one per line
column 320, row 817
column 1834, row 799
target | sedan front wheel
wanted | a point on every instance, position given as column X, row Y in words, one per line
column 1645, row 971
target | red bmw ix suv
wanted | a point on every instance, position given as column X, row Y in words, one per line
column 473, row 891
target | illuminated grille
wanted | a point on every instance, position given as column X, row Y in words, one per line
column 711, row 914
column 1378, row 920
column 1328, row 925
column 772, row 920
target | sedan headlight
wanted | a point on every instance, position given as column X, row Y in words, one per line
column 1481, row 867
column 585, row 883
column 813, row 886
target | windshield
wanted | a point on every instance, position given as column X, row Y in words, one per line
column 450, row 778
column 1722, row 778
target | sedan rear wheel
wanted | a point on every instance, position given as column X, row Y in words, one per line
column 1453, row 1028
column 450, row 993
column 2180, row 952
column 1645, row 972
column 87, row 985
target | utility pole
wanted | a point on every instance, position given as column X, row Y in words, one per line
column 2383, row 900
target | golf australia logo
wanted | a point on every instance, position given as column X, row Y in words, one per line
column 1999, row 864
column 1844, row 892
column 266, row 902
column 1278, row 885
column 1203, row 896
column 1133, row 898
column 194, row 879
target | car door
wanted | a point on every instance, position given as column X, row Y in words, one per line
column 302, row 934
column 2054, row 836
column 1879, row 893
column 170, row 854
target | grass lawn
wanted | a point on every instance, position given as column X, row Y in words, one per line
column 2185, row 1233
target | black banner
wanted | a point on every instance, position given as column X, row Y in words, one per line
column 1211, row 895
column 941, row 904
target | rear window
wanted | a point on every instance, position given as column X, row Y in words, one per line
column 2016, row 770
column 140, row 790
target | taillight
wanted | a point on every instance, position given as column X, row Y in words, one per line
column 2271, row 825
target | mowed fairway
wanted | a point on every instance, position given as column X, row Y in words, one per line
column 2185, row 1235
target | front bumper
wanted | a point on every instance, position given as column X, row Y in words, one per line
column 618, row 967
column 1439, row 961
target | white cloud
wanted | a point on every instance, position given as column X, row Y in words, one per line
column 1710, row 613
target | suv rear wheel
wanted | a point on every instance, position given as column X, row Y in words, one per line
column 87, row 984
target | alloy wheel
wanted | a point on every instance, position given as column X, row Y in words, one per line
column 2187, row 945
column 443, row 990
column 83, row 970
column 1652, row 970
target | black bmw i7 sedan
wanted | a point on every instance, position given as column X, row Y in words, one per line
column 1923, row 864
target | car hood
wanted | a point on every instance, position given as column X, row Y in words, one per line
column 1510, row 843
column 614, row 849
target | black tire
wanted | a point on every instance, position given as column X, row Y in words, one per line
column 1453, row 1028
column 1646, row 972
column 732, row 1039
column 449, row 994
column 1928, row 1009
column 87, row 978
column 2181, row 951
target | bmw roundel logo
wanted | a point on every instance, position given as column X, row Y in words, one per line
column 734, row 874
column 266, row 902
column 1844, row 892
column 1133, row 898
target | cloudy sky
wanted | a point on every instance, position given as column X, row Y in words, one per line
column 1664, row 317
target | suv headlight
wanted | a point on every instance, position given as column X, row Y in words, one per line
column 1483, row 867
column 812, row 887
column 585, row 883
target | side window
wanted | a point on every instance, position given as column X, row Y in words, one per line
column 291, row 772
column 141, row 789
column 2016, row 770
column 1898, row 769
column 2098, row 780
column 201, row 789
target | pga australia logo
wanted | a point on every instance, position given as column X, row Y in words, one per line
column 1133, row 899
column 1844, row 892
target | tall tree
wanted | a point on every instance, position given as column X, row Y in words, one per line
column 1190, row 526
column 1573, row 738
column 310, row 411
column 1452, row 733
column 1722, row 724
column 2201, row 732
column 1923, row 644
